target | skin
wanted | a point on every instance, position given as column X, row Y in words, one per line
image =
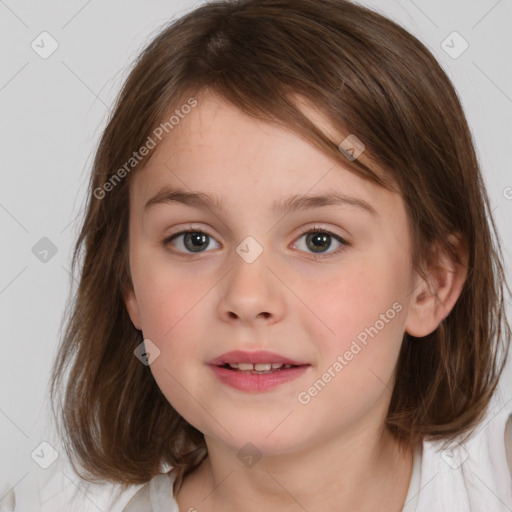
column 334, row 452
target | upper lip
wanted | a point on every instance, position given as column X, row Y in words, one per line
column 260, row 356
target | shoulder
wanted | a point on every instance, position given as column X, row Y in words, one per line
column 471, row 475
column 59, row 489
column 154, row 496
column 63, row 493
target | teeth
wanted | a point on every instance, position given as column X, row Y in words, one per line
column 245, row 366
column 259, row 367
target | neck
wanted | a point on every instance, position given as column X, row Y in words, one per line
column 366, row 471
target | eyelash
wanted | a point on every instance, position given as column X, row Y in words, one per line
column 314, row 229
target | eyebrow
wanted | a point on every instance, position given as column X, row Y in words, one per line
column 201, row 200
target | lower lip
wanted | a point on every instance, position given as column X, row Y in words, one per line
column 255, row 383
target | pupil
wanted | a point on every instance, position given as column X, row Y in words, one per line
column 318, row 239
column 196, row 237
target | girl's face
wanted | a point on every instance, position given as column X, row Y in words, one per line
column 262, row 278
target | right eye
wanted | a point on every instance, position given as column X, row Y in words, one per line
column 188, row 242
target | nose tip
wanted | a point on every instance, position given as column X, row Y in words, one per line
column 249, row 292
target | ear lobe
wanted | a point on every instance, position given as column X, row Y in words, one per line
column 434, row 297
column 132, row 307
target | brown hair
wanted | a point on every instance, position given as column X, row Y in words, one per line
column 369, row 77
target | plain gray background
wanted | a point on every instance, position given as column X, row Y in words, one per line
column 54, row 109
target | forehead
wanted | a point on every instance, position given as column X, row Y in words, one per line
column 220, row 150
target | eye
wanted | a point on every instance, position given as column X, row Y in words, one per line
column 318, row 240
column 193, row 241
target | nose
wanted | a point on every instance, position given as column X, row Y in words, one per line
column 252, row 293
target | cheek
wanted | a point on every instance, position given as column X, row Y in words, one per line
column 170, row 308
column 362, row 312
column 355, row 363
column 166, row 294
column 170, row 321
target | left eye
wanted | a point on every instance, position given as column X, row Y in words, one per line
column 317, row 240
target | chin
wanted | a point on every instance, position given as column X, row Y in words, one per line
column 268, row 437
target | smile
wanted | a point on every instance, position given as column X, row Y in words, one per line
column 259, row 368
column 256, row 372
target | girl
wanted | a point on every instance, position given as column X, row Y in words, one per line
column 290, row 294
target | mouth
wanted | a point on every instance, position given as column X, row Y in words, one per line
column 256, row 372
column 241, row 359
column 259, row 368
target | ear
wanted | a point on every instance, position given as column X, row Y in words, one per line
column 433, row 298
column 132, row 307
